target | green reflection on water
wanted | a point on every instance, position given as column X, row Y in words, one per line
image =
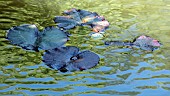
column 121, row 71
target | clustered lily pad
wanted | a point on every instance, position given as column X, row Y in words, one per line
column 143, row 42
column 76, row 17
column 29, row 37
column 52, row 39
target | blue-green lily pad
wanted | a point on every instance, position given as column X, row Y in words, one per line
column 28, row 37
column 52, row 38
column 24, row 36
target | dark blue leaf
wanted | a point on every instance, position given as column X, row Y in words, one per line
column 23, row 36
column 65, row 23
column 84, row 60
column 58, row 58
column 66, row 26
column 52, row 38
column 68, row 59
column 63, row 19
column 118, row 43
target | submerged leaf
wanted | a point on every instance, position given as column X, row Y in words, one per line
column 52, row 38
column 68, row 59
column 24, row 36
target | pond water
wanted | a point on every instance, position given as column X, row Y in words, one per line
column 121, row 71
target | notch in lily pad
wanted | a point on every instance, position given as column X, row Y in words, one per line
column 29, row 37
column 70, row 59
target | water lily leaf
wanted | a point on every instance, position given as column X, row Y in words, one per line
column 23, row 36
column 51, row 38
column 64, row 19
column 70, row 59
column 70, row 11
column 65, row 22
column 59, row 57
column 143, row 42
column 84, row 13
column 28, row 37
column 84, row 60
column 146, row 43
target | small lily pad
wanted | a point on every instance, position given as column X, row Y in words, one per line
column 146, row 43
column 70, row 59
column 143, row 42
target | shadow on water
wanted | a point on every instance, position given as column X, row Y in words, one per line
column 122, row 71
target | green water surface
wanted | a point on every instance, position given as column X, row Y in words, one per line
column 121, row 71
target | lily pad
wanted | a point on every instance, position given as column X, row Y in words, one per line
column 70, row 59
column 28, row 37
column 143, row 42
column 84, row 13
column 24, row 36
column 84, row 60
column 52, row 38
column 78, row 17
column 65, row 22
column 59, row 57
column 146, row 43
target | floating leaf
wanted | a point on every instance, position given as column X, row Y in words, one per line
column 52, row 38
column 84, row 13
column 146, row 43
column 64, row 19
column 24, row 36
column 84, row 60
column 77, row 17
column 65, row 23
column 118, row 43
column 58, row 58
column 28, row 37
column 143, row 42
column 68, row 59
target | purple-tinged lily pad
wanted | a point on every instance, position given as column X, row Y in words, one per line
column 70, row 59
column 146, row 43
column 143, row 42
